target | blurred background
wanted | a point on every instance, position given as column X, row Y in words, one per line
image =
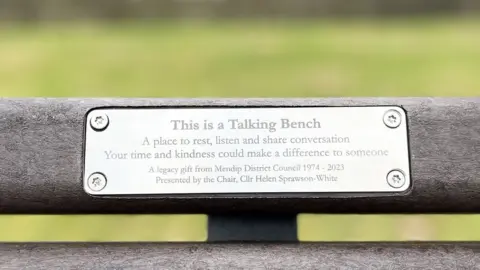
column 238, row 48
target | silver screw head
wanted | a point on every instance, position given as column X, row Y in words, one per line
column 99, row 121
column 97, row 181
column 392, row 118
column 396, row 178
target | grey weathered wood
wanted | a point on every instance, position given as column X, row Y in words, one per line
column 41, row 160
column 241, row 256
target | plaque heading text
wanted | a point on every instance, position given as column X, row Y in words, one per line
column 252, row 124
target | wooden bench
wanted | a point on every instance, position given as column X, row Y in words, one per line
column 42, row 144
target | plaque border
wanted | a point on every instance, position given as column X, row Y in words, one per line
column 243, row 195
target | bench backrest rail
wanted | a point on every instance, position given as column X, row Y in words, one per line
column 41, row 166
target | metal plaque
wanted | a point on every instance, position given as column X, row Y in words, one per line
column 135, row 151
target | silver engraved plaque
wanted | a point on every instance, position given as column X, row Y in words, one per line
column 148, row 151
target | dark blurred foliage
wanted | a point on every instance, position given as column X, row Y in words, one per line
column 126, row 9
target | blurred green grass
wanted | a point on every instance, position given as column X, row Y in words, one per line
column 242, row 58
column 404, row 57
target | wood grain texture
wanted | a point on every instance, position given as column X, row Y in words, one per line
column 241, row 256
column 41, row 144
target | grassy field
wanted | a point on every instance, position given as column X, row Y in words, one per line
column 415, row 57
column 242, row 59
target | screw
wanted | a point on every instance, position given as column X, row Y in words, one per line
column 396, row 178
column 97, row 181
column 392, row 118
column 99, row 121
